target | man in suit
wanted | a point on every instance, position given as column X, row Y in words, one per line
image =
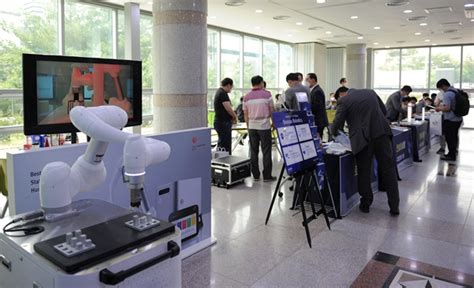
column 295, row 93
column 394, row 107
column 370, row 134
column 318, row 103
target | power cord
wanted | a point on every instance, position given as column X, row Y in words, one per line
column 20, row 230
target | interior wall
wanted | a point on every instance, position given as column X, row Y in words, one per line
column 335, row 68
column 311, row 58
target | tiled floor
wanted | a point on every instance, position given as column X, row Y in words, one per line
column 436, row 226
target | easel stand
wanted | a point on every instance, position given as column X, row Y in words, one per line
column 306, row 187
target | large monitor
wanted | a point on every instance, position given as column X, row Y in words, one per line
column 53, row 85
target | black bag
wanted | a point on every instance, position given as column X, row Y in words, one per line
column 461, row 108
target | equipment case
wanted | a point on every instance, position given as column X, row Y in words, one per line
column 229, row 170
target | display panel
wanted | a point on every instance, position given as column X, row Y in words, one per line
column 53, row 85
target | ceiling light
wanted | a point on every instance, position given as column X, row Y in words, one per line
column 395, row 3
column 257, row 27
column 376, row 43
column 377, row 28
column 472, row 20
column 417, row 18
column 408, row 11
column 328, row 32
column 434, row 44
column 212, row 17
column 386, row 47
column 439, row 10
column 354, row 17
column 299, row 23
column 235, row 2
column 417, row 33
column 360, row 37
column 320, row 1
column 150, row 2
column 290, row 35
column 423, row 24
column 281, row 17
column 259, row 11
column 427, row 40
column 315, row 28
column 469, row 5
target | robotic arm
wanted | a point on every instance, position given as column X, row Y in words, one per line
column 59, row 183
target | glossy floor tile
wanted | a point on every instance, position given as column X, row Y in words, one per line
column 436, row 226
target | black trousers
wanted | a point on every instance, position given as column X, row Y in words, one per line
column 321, row 131
column 381, row 148
column 263, row 139
column 451, row 133
column 224, row 131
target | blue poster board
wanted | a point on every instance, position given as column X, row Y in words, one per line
column 402, row 145
column 296, row 140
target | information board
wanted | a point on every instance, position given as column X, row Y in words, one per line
column 296, row 140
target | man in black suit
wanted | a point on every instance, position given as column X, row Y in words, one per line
column 370, row 134
column 318, row 103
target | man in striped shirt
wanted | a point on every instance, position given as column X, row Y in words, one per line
column 258, row 108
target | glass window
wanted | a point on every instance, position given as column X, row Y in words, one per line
column 446, row 63
column 120, row 35
column 468, row 67
column 88, row 30
column 231, row 60
column 387, row 69
column 146, row 40
column 415, row 68
column 270, row 64
column 252, row 59
column 286, row 63
column 213, row 58
column 25, row 27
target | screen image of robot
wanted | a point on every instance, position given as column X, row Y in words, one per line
column 63, row 85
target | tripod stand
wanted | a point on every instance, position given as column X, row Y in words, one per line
column 306, row 186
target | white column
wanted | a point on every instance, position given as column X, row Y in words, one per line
column 132, row 37
column 179, row 64
column 356, row 65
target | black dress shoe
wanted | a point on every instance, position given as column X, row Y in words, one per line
column 364, row 208
column 272, row 178
column 447, row 158
column 440, row 151
column 394, row 212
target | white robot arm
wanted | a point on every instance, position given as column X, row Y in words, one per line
column 59, row 182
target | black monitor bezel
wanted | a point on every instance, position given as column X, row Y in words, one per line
column 30, row 97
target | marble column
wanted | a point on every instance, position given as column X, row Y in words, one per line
column 356, row 65
column 179, row 64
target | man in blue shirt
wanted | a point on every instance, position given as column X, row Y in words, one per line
column 451, row 122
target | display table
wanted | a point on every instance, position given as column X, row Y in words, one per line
column 342, row 175
column 402, row 147
column 421, row 141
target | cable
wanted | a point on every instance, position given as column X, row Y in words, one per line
column 26, row 231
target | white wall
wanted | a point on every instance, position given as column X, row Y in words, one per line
column 311, row 58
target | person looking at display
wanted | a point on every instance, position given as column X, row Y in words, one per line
column 394, row 104
column 370, row 135
column 224, row 115
column 318, row 103
column 295, row 90
column 343, row 82
column 258, row 108
column 300, row 77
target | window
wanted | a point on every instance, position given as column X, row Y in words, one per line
column 88, row 30
column 25, row 27
column 415, row 66
column 468, row 67
column 286, row 63
column 387, row 69
column 270, row 64
column 252, row 59
column 213, row 59
column 146, row 40
column 446, row 63
column 231, row 50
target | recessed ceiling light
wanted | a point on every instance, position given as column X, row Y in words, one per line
column 417, row 33
column 328, row 32
column 434, row 44
column 408, row 11
column 469, row 5
column 259, row 11
column 299, row 23
column 354, row 17
column 290, row 35
column 472, row 20
column 257, row 27
column 150, row 2
column 281, row 17
column 427, row 40
column 423, row 24
column 212, row 17
column 387, row 47
column 417, row 18
column 235, row 2
column 360, row 37
column 320, row 1
column 377, row 28
column 394, row 3
column 376, row 43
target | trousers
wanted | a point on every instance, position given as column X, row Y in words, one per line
column 263, row 139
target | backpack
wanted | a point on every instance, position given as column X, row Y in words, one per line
column 462, row 105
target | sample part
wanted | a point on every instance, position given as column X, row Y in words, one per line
column 142, row 223
column 76, row 243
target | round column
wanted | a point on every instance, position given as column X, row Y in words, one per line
column 356, row 65
column 179, row 64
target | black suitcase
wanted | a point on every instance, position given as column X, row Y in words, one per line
column 229, row 170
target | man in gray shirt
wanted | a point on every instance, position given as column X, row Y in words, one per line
column 295, row 90
column 394, row 104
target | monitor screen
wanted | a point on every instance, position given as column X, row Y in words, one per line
column 53, row 85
